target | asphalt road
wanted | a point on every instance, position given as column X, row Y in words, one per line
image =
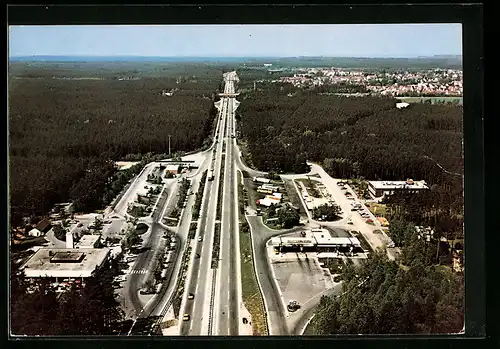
column 276, row 313
column 199, row 281
column 227, row 307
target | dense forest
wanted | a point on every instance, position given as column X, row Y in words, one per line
column 368, row 137
column 384, row 297
column 90, row 310
column 364, row 137
column 63, row 133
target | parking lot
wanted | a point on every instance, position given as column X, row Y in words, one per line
column 299, row 276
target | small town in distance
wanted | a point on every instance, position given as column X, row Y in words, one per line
column 273, row 197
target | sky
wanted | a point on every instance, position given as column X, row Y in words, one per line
column 367, row 40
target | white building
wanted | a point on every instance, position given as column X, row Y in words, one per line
column 65, row 263
column 380, row 188
column 35, row 232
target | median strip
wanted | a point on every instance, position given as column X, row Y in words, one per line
column 192, row 230
column 219, row 196
column 176, row 303
column 199, row 196
column 216, row 247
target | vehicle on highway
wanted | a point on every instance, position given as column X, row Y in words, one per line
column 190, row 296
column 186, row 317
column 197, row 255
column 200, row 238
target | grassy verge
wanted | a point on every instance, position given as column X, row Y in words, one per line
column 216, row 247
column 251, row 295
column 176, row 303
column 245, row 154
column 294, row 196
column 333, row 264
column 192, row 230
column 199, row 196
column 311, row 189
column 219, row 197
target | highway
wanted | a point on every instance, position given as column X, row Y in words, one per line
column 200, row 274
column 226, row 300
column 215, row 307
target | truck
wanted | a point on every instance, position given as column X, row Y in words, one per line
column 261, row 180
column 211, row 175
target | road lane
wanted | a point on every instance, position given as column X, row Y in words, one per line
column 199, row 282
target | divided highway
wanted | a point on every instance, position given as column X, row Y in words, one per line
column 215, row 307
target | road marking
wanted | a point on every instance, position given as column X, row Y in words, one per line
column 138, row 271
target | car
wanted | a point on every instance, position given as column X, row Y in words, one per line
column 146, row 187
column 190, row 296
column 200, row 238
column 79, row 225
column 107, row 222
column 197, row 255
column 354, row 209
column 186, row 317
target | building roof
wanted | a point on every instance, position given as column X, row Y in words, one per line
column 34, row 231
column 64, row 262
column 390, row 185
column 324, row 237
column 43, row 225
column 88, row 241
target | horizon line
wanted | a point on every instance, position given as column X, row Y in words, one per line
column 223, row 56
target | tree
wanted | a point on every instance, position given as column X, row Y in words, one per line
column 288, row 217
column 327, row 212
column 148, row 286
column 401, row 232
column 271, row 211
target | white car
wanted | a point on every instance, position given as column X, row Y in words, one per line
column 200, row 238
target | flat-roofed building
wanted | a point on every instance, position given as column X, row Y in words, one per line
column 320, row 240
column 88, row 241
column 380, row 188
column 58, row 264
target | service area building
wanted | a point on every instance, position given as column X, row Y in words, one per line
column 319, row 240
column 381, row 188
column 59, row 264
